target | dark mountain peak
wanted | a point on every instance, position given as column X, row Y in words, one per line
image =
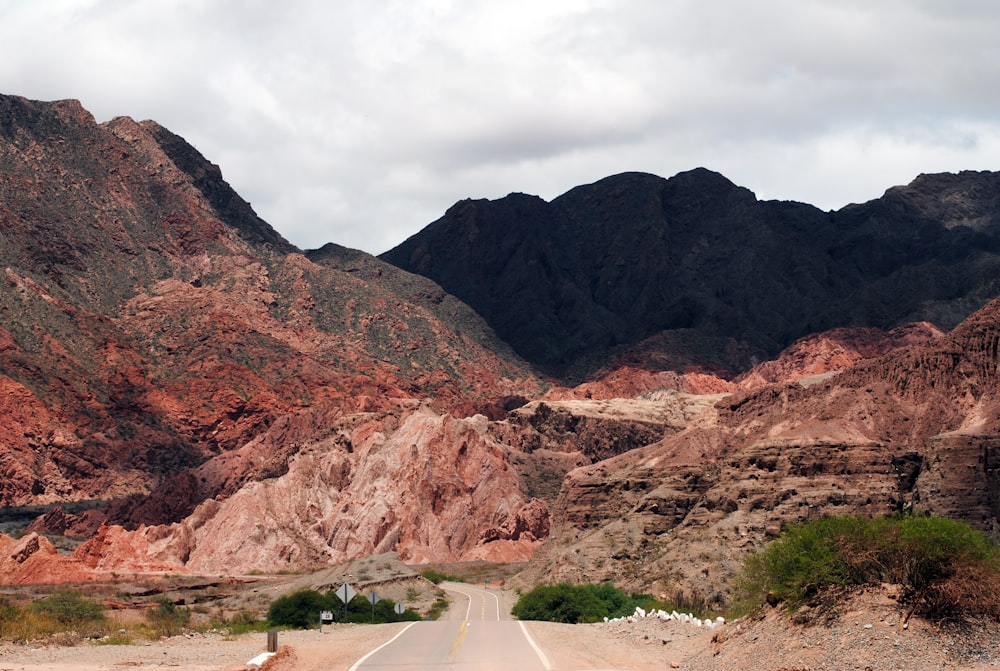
column 699, row 263
column 512, row 202
column 703, row 179
column 968, row 198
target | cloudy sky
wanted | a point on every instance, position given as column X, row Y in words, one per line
column 361, row 121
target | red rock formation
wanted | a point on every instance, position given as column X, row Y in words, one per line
column 834, row 350
column 916, row 429
column 628, row 382
column 250, row 407
column 432, row 488
column 149, row 320
column 33, row 559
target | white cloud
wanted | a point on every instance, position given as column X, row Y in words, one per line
column 361, row 121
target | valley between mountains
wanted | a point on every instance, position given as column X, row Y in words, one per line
column 639, row 382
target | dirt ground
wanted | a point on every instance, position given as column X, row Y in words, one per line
column 866, row 634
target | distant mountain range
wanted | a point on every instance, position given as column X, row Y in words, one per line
column 186, row 391
column 695, row 272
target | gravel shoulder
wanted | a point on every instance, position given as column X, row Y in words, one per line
column 867, row 633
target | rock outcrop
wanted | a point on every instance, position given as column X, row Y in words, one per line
column 915, row 430
column 432, row 488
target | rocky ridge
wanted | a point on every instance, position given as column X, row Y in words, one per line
column 694, row 273
column 158, row 341
column 251, row 407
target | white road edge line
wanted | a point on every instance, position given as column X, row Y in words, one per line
column 362, row 660
column 497, row 599
column 481, row 593
column 538, row 651
column 453, row 588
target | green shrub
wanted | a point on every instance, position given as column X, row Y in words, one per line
column 299, row 610
column 437, row 577
column 8, row 611
column 944, row 566
column 437, row 609
column 578, row 603
column 240, row 622
column 385, row 611
column 166, row 618
column 9, row 616
column 70, row 609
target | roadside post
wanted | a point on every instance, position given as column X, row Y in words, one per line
column 324, row 616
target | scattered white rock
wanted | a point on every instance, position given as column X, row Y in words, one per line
column 686, row 618
column 258, row 661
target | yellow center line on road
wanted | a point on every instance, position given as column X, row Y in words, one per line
column 456, row 647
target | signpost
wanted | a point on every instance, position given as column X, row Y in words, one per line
column 324, row 616
column 345, row 593
column 399, row 609
column 373, row 597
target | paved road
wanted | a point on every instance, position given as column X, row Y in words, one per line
column 473, row 603
column 475, row 639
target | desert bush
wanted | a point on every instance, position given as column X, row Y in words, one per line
column 299, row 610
column 437, row 577
column 121, row 636
column 8, row 613
column 385, row 611
column 70, row 609
column 945, row 567
column 437, row 609
column 167, row 618
column 62, row 618
column 9, row 616
column 577, row 603
column 241, row 622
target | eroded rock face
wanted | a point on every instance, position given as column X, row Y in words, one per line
column 33, row 559
column 150, row 320
column 433, row 488
column 251, row 407
column 916, row 429
column 823, row 353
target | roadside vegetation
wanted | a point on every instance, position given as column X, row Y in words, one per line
column 66, row 617
column 300, row 610
column 437, row 577
column 574, row 604
column 69, row 617
column 947, row 569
